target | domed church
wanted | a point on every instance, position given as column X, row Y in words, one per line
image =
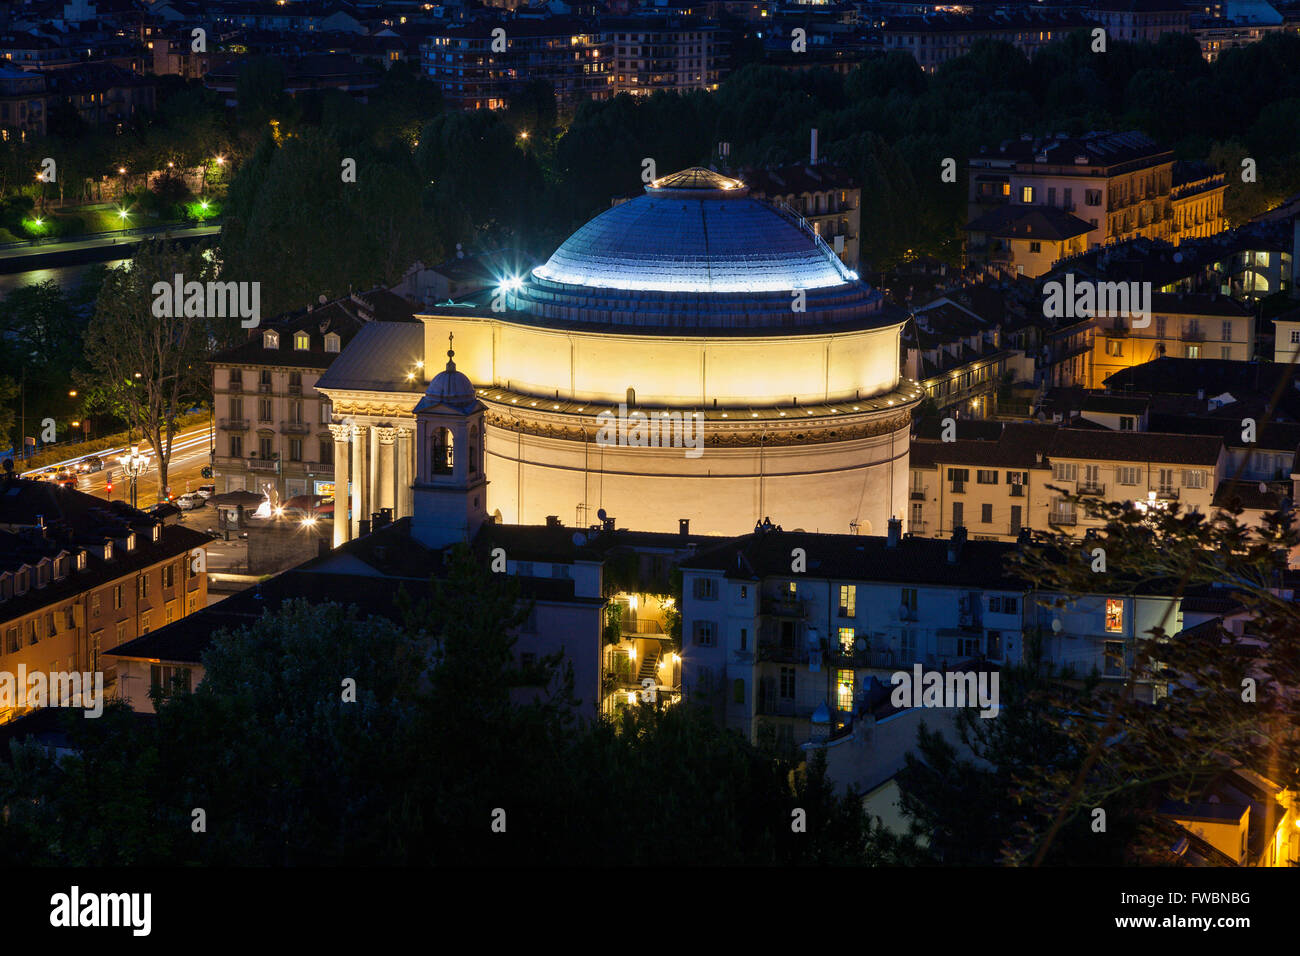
column 693, row 353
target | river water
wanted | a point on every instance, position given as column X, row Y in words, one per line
column 69, row 277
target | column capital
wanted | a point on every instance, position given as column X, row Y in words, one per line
column 387, row 434
column 342, row 433
column 358, row 431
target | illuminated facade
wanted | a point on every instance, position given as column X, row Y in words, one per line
column 693, row 303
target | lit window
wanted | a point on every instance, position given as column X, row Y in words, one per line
column 331, row 342
column 1114, row 615
column 301, row 341
column 847, row 639
column 271, row 340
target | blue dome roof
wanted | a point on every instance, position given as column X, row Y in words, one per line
column 695, row 231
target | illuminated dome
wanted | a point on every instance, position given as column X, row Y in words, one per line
column 695, row 250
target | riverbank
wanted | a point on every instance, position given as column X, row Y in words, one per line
column 102, row 248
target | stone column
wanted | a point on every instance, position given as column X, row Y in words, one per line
column 360, row 438
column 408, row 482
column 385, row 480
column 401, row 475
column 342, row 470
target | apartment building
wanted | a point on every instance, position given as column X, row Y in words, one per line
column 1122, row 185
column 826, row 195
column 1182, row 325
column 996, row 489
column 665, row 53
column 957, row 357
column 1141, row 20
column 935, row 38
column 784, row 657
column 272, row 427
column 80, row 576
column 481, row 65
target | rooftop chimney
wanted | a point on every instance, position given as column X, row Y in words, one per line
column 813, row 151
column 684, row 527
column 895, row 532
column 553, row 521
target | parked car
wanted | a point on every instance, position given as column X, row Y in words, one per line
column 190, row 500
column 207, row 491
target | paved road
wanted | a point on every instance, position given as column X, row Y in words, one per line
column 189, row 458
column 26, row 250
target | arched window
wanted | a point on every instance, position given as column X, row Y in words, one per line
column 443, row 451
column 472, row 460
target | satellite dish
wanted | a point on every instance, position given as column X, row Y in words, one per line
column 1057, row 625
column 579, row 539
column 601, row 514
column 1263, row 487
column 1178, row 257
column 321, row 298
column 860, row 644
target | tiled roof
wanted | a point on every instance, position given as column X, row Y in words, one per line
column 378, row 359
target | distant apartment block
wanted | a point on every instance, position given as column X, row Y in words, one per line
column 934, row 39
column 1035, row 199
column 272, row 426
column 477, row 68
column 1141, row 20
column 783, row 659
column 824, row 194
column 665, row 53
column 995, row 489
column 1183, row 325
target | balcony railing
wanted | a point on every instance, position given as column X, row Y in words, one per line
column 643, row 627
column 262, row 464
column 781, row 653
column 785, row 607
column 918, row 494
column 233, row 424
column 295, row 428
column 1016, row 491
column 1193, row 335
column 264, row 388
column 1092, row 489
column 770, row 705
column 1167, row 494
column 235, row 385
column 295, row 389
column 958, row 487
column 1068, row 518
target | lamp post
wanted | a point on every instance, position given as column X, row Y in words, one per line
column 133, row 466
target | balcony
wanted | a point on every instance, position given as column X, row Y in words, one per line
column 781, row 653
column 295, row 428
column 770, row 705
column 1016, row 491
column 916, row 527
column 262, row 464
column 1097, row 490
column 1062, row 518
column 264, row 388
column 785, row 607
column 295, row 389
column 233, row 424
column 958, row 487
column 1193, row 335
column 1167, row 494
column 918, row 494
column 235, row 385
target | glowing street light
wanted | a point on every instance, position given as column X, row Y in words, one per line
column 133, row 466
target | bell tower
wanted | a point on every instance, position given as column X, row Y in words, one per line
column 450, row 490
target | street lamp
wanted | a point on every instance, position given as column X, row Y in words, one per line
column 133, row 466
column 122, row 215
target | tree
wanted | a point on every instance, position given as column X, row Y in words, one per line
column 149, row 366
column 1223, row 699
